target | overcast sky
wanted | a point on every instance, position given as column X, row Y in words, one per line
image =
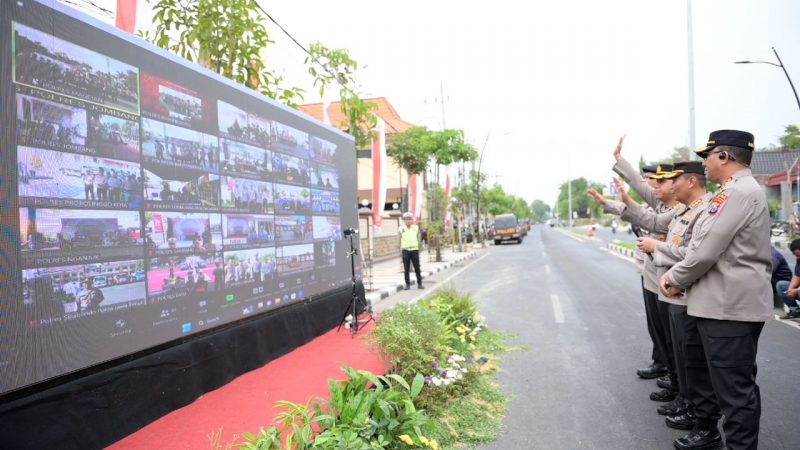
column 558, row 82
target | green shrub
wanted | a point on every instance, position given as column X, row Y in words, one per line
column 410, row 337
column 365, row 411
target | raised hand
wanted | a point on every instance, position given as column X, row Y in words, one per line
column 623, row 193
column 618, row 148
column 596, row 196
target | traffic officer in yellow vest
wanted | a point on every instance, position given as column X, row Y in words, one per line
column 409, row 244
column 725, row 277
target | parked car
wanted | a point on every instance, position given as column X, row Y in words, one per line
column 507, row 228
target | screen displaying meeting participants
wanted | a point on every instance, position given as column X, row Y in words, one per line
column 153, row 200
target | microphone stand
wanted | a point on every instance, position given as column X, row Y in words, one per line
column 350, row 319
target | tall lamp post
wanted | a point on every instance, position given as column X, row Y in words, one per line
column 797, row 99
column 780, row 64
column 478, row 187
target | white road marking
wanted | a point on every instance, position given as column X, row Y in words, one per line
column 791, row 323
column 557, row 312
column 547, row 268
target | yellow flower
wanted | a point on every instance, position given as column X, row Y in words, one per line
column 472, row 338
column 424, row 440
column 462, row 338
column 433, row 445
column 406, row 439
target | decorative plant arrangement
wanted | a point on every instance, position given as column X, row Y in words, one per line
column 439, row 392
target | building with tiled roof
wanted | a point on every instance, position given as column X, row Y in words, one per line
column 769, row 169
column 769, row 162
column 397, row 178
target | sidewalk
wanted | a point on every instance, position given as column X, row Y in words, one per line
column 385, row 277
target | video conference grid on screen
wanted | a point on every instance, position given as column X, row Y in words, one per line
column 152, row 205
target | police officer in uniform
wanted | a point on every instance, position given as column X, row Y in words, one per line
column 726, row 278
column 656, row 312
column 689, row 188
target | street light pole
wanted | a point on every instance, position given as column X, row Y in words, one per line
column 478, row 189
column 780, row 64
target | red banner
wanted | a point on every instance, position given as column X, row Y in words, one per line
column 126, row 15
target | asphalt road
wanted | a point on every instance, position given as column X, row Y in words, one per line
column 578, row 311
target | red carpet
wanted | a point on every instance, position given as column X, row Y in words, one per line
column 246, row 403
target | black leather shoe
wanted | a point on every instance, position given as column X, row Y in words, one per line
column 654, row 370
column 673, row 408
column 699, row 440
column 665, row 383
column 685, row 421
column 408, row 286
column 420, row 286
column 664, row 395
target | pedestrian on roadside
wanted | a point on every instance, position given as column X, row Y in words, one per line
column 787, row 289
column 726, row 279
column 409, row 246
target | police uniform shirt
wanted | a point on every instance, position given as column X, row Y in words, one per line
column 673, row 249
column 658, row 231
column 639, row 185
column 727, row 267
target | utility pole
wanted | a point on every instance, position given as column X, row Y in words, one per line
column 690, row 36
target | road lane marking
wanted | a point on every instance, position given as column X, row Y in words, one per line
column 557, row 312
column 547, row 268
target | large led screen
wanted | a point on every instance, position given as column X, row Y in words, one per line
column 145, row 200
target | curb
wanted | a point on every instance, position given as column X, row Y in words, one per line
column 376, row 296
column 621, row 250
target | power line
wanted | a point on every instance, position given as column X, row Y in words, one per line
column 89, row 4
column 313, row 58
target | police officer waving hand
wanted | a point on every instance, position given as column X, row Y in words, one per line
column 725, row 278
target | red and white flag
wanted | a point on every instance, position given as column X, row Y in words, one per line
column 448, row 219
column 126, row 15
column 378, row 172
column 415, row 196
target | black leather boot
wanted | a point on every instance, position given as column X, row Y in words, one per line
column 664, row 395
column 654, row 370
column 700, row 439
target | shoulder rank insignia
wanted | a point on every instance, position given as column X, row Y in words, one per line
column 716, row 204
column 696, row 203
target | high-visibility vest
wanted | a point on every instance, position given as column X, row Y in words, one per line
column 409, row 237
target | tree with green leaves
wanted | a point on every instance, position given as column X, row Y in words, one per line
column 229, row 37
column 582, row 204
column 335, row 67
column 791, row 138
column 417, row 148
column 224, row 36
column 540, row 210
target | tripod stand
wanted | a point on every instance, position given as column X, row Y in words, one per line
column 358, row 305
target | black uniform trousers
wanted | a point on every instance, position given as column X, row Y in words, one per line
column 650, row 314
column 411, row 256
column 663, row 341
column 700, row 391
column 730, row 350
column 666, row 341
column 677, row 326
